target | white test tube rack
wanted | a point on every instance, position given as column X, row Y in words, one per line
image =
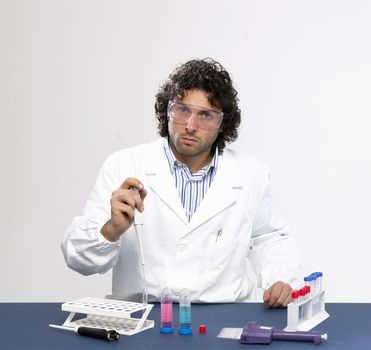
column 305, row 315
column 108, row 314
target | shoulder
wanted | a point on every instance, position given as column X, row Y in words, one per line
column 135, row 152
column 245, row 163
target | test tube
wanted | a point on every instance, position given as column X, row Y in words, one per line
column 314, row 284
column 319, row 277
column 307, row 308
column 304, row 293
column 166, row 312
column 308, row 281
column 319, row 290
column 295, row 301
column 294, row 296
column 302, row 298
column 185, row 325
column 144, row 297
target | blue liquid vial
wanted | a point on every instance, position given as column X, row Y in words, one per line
column 166, row 326
column 185, row 323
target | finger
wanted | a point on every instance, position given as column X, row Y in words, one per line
column 273, row 299
column 287, row 301
column 132, row 182
column 143, row 193
column 266, row 295
column 286, row 295
column 281, row 299
column 140, row 192
column 139, row 197
column 123, row 209
column 267, row 298
column 283, row 293
column 123, row 196
column 276, row 293
column 122, row 217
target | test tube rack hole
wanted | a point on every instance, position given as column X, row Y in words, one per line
column 108, row 314
column 305, row 315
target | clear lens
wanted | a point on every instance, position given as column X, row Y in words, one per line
column 205, row 118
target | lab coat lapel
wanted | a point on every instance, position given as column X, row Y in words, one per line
column 221, row 194
column 160, row 180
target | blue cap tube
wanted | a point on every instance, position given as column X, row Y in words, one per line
column 185, row 323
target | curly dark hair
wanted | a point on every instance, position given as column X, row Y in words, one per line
column 211, row 77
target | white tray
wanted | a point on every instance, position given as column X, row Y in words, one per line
column 108, row 314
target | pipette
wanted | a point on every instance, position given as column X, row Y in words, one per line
column 138, row 226
column 99, row 333
column 252, row 333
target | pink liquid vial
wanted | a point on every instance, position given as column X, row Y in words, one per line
column 166, row 312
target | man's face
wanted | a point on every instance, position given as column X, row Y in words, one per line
column 187, row 140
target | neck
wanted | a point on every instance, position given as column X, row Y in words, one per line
column 194, row 162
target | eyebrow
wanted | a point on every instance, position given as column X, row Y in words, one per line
column 203, row 108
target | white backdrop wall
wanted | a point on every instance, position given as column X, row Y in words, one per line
column 78, row 80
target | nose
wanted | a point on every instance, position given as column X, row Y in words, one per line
column 191, row 126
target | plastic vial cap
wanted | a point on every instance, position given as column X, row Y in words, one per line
column 166, row 330
column 185, row 331
column 307, row 288
column 294, row 294
column 184, row 299
column 202, row 329
column 166, row 294
column 308, row 279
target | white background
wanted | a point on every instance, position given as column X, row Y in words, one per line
column 78, row 81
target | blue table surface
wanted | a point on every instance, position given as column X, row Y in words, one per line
column 26, row 326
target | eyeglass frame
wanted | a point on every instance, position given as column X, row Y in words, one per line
column 218, row 113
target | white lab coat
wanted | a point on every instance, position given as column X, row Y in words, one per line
column 231, row 233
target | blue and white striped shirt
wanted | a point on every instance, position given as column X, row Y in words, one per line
column 191, row 187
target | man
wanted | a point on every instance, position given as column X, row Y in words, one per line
column 205, row 209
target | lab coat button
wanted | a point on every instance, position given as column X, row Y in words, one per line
column 182, row 248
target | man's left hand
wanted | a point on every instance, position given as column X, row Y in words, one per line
column 278, row 295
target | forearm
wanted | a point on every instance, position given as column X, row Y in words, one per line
column 109, row 232
column 275, row 258
column 273, row 252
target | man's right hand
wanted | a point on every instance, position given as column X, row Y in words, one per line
column 123, row 203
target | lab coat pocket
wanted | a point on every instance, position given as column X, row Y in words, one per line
column 224, row 259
